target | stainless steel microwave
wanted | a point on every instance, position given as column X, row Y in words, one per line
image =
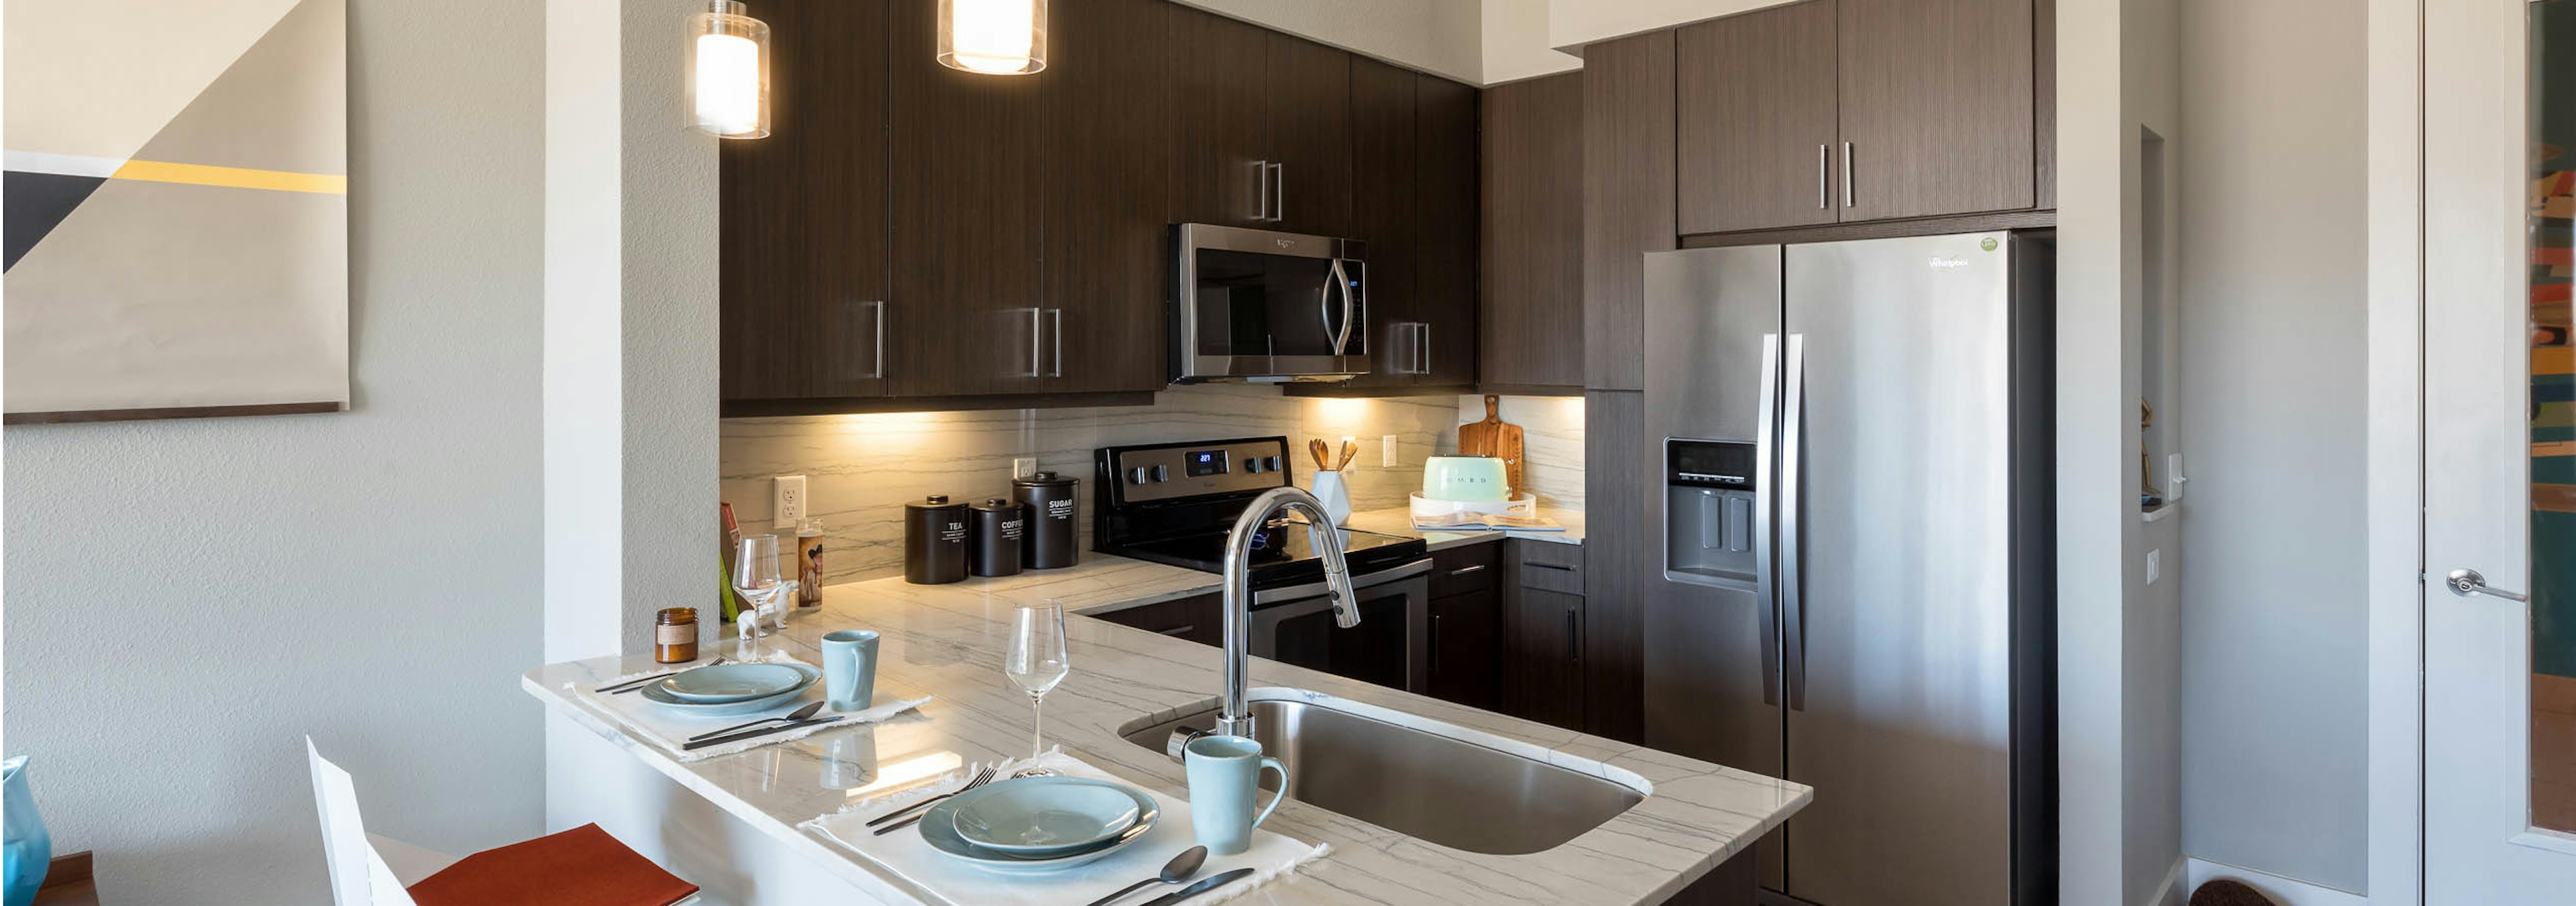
column 1260, row 306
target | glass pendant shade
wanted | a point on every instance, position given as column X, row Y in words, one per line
column 993, row 37
column 728, row 72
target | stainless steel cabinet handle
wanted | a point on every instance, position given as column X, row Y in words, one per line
column 1847, row 188
column 1426, row 349
column 2466, row 582
column 877, row 369
column 1467, row 570
column 1058, row 314
column 1573, row 638
column 1035, row 336
column 1824, row 196
column 1434, row 644
column 1766, row 611
column 1180, row 631
column 1793, row 605
column 1279, row 192
column 1261, row 205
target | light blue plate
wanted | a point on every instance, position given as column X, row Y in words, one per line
column 653, row 692
column 731, row 682
column 939, row 829
column 1044, row 816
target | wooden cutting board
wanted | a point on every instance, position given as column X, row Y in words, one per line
column 1494, row 437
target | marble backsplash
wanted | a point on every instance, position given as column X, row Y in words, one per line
column 861, row 469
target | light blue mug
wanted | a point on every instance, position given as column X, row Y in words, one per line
column 1225, row 775
column 850, row 668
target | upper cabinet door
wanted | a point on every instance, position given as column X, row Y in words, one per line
column 1531, row 313
column 1757, row 136
column 803, row 275
column 1106, row 120
column 1445, row 202
column 1936, row 107
column 966, row 314
column 1310, row 133
column 1221, row 115
column 1382, row 215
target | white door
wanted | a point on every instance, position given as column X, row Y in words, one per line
column 2499, row 672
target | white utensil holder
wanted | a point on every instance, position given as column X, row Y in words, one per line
column 1336, row 496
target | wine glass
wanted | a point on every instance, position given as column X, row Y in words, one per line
column 755, row 577
column 1036, row 660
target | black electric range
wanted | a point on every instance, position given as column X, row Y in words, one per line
column 1175, row 503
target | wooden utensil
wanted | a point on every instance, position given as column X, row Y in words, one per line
column 1323, row 454
column 1349, row 449
column 1495, row 437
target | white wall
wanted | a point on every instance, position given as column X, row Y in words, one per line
column 1516, row 45
column 2273, row 323
column 1442, row 37
column 1574, row 23
column 186, row 599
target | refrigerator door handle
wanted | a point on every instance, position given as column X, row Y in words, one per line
column 1765, row 443
column 1793, row 605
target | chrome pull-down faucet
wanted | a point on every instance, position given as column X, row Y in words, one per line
column 1235, row 719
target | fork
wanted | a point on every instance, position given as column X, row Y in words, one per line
column 981, row 777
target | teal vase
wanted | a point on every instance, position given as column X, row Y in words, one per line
column 27, row 850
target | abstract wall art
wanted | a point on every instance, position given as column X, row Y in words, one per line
column 176, row 208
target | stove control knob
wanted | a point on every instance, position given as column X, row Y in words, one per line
column 1162, row 473
column 1136, row 475
column 1273, row 462
column 1252, row 465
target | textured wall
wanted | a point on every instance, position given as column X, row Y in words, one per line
column 861, row 469
column 186, row 599
column 2275, row 694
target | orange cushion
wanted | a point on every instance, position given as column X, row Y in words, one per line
column 583, row 866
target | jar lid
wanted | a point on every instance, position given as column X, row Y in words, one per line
column 670, row 615
column 998, row 504
column 1044, row 479
column 933, row 502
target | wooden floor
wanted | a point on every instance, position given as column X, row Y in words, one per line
column 2553, row 752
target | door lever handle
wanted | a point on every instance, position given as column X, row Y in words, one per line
column 2466, row 582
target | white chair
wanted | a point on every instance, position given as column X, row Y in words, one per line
column 366, row 869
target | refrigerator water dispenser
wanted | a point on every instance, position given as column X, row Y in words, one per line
column 1708, row 511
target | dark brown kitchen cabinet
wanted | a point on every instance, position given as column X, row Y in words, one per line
column 1543, row 657
column 1627, row 198
column 1936, row 106
column 1446, row 199
column 1466, row 637
column 1197, row 619
column 965, row 317
column 1756, row 134
column 803, row 281
column 1384, row 215
column 1105, row 115
column 1529, row 315
column 1263, row 123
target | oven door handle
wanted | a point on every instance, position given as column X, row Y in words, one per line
column 1361, row 582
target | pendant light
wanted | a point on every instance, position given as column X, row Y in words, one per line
column 993, row 37
column 728, row 72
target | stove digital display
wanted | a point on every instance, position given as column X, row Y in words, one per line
column 1203, row 463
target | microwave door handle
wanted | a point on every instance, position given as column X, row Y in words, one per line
column 1350, row 303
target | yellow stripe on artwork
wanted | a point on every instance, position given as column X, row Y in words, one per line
column 232, row 177
column 2553, row 360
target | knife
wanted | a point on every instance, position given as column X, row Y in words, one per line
column 764, row 731
column 1201, row 887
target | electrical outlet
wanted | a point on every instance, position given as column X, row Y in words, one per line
column 2155, row 565
column 1024, row 466
column 1386, row 457
column 787, row 500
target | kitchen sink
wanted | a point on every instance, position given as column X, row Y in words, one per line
column 1433, row 781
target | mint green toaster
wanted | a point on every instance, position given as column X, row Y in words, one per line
column 1474, row 479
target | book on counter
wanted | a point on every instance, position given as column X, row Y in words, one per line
column 1500, row 522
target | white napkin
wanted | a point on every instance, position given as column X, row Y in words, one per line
column 670, row 728
column 953, row 881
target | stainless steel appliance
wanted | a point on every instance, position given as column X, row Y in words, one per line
column 1256, row 305
column 1853, row 589
column 1174, row 504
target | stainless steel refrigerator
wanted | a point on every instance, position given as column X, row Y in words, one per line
column 1854, row 587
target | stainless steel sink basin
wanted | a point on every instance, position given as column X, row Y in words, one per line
column 1441, row 788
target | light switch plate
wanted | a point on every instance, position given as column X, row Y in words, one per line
column 1024, row 466
column 2155, row 565
column 1386, row 457
column 787, row 500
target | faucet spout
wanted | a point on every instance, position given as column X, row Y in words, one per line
column 1235, row 719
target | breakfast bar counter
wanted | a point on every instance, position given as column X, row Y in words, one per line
column 946, row 642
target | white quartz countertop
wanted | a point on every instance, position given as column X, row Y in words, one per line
column 1399, row 521
column 947, row 641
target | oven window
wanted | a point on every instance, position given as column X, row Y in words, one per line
column 1373, row 651
column 1251, row 304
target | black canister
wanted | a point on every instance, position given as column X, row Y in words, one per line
column 997, row 530
column 1051, row 542
column 934, row 541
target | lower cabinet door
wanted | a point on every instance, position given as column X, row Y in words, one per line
column 1466, row 644
column 1542, row 663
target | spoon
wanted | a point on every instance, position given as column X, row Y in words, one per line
column 1176, row 871
column 796, row 715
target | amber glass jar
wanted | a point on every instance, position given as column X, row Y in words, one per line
column 675, row 635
